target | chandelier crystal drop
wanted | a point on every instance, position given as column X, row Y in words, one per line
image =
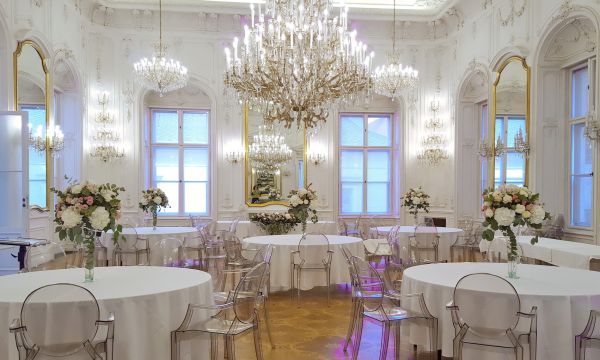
column 160, row 73
column 268, row 151
column 297, row 60
column 393, row 79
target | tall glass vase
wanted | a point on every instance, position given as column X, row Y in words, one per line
column 416, row 219
column 89, row 255
column 154, row 220
column 512, row 256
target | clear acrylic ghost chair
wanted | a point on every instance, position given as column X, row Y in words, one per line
column 230, row 230
column 375, row 247
column 399, row 260
column 464, row 244
column 428, row 221
column 168, row 252
column 342, row 227
column 490, row 318
column 588, row 336
column 424, row 245
column 229, row 319
column 49, row 256
column 313, row 254
column 389, row 308
column 60, row 320
column 130, row 246
column 101, row 248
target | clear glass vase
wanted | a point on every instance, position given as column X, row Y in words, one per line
column 154, row 220
column 89, row 256
column 513, row 260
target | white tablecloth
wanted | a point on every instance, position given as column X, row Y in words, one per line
column 563, row 296
column 283, row 245
column 154, row 236
column 557, row 252
column 148, row 303
column 246, row 228
column 447, row 237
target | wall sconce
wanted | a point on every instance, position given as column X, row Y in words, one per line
column 592, row 127
column 105, row 137
column 233, row 157
column 316, row 158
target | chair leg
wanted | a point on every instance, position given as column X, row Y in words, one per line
column 359, row 327
column 328, row 271
column 397, row 333
column 267, row 322
column 577, row 347
column 257, row 343
column 433, row 337
column 214, row 347
column 292, row 277
column 174, row 346
column 353, row 314
column 299, row 277
column 230, row 347
column 385, row 339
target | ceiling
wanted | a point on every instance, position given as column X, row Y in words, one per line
column 420, row 7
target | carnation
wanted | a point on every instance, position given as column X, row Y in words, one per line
column 100, row 218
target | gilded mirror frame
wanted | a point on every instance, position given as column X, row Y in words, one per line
column 247, row 167
column 492, row 122
column 48, row 99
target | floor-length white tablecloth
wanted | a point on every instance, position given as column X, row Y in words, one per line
column 447, row 237
column 283, row 245
column 247, row 228
column 557, row 252
column 154, row 236
column 147, row 302
column 563, row 297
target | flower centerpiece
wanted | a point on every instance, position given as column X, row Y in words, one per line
column 415, row 200
column 508, row 206
column 300, row 201
column 153, row 200
column 83, row 212
column 275, row 223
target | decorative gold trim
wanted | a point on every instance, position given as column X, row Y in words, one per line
column 492, row 118
column 247, row 196
column 48, row 107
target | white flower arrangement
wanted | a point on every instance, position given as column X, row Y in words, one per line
column 153, row 200
column 512, row 205
column 275, row 223
column 415, row 199
column 300, row 205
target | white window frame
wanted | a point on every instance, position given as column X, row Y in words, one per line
column 181, row 148
column 509, row 150
column 590, row 65
column 484, row 122
column 365, row 148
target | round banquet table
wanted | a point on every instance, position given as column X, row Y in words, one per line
column 447, row 237
column 283, row 245
column 563, row 296
column 147, row 302
column 154, row 236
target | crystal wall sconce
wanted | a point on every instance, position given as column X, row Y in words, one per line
column 316, row 158
column 233, row 157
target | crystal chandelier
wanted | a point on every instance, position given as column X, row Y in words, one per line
column 105, row 138
column 434, row 144
column 521, row 144
column 159, row 73
column 54, row 141
column 268, row 150
column 489, row 151
column 592, row 127
column 393, row 79
column 296, row 61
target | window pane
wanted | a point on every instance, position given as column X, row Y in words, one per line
column 352, row 197
column 514, row 124
column 300, row 174
column 515, row 169
column 351, row 131
column 378, row 165
column 165, row 127
column 378, row 198
column 581, row 152
column 195, row 127
column 581, row 201
column 37, row 160
column 196, row 197
column 499, row 131
column 195, row 164
column 351, row 166
column 484, row 120
column 498, row 173
column 379, row 133
column 579, row 93
column 166, row 164
column 171, row 189
column 37, row 192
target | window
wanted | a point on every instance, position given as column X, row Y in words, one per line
column 365, row 164
column 580, row 181
column 180, row 159
column 37, row 160
column 510, row 167
column 300, row 174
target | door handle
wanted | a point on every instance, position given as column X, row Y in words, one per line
column 24, row 203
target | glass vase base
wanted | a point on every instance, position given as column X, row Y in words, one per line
column 89, row 275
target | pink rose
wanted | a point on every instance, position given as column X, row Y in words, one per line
column 89, row 200
column 80, row 200
column 529, row 207
column 84, row 206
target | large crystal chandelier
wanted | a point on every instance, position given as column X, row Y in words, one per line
column 296, row 60
column 268, row 151
column 393, row 79
column 159, row 73
column 53, row 141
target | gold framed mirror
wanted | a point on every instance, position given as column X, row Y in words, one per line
column 266, row 184
column 510, row 110
column 32, row 94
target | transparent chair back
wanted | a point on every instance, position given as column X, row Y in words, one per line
column 233, row 226
column 400, row 251
column 46, row 257
column 60, row 318
column 263, row 254
column 129, row 238
column 465, row 224
column 424, row 244
column 342, row 227
column 369, row 283
column 313, row 249
column 245, row 298
column 168, row 252
column 233, row 249
column 366, row 229
column 486, row 315
column 428, row 221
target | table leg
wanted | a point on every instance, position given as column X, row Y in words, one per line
column 21, row 256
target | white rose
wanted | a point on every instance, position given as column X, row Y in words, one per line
column 537, row 214
column 417, row 201
column 157, row 200
column 489, row 213
column 288, row 216
column 76, row 189
column 504, row 216
column 526, row 214
column 144, row 201
column 520, row 209
column 100, row 218
column 70, row 218
column 523, row 192
column 507, row 199
column 497, row 197
column 306, row 202
column 487, row 204
column 302, row 192
column 107, row 194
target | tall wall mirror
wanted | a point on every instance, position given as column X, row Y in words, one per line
column 510, row 131
column 32, row 95
column 275, row 160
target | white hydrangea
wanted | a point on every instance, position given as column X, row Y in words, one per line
column 76, row 189
column 295, row 200
column 100, row 218
column 70, row 218
column 107, row 194
column 519, row 209
column 504, row 216
column 157, row 200
column 417, row 201
column 537, row 214
column 489, row 213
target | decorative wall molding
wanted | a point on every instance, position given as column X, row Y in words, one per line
column 514, row 13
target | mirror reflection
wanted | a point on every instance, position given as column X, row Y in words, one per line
column 275, row 161
column 511, row 123
column 31, row 97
